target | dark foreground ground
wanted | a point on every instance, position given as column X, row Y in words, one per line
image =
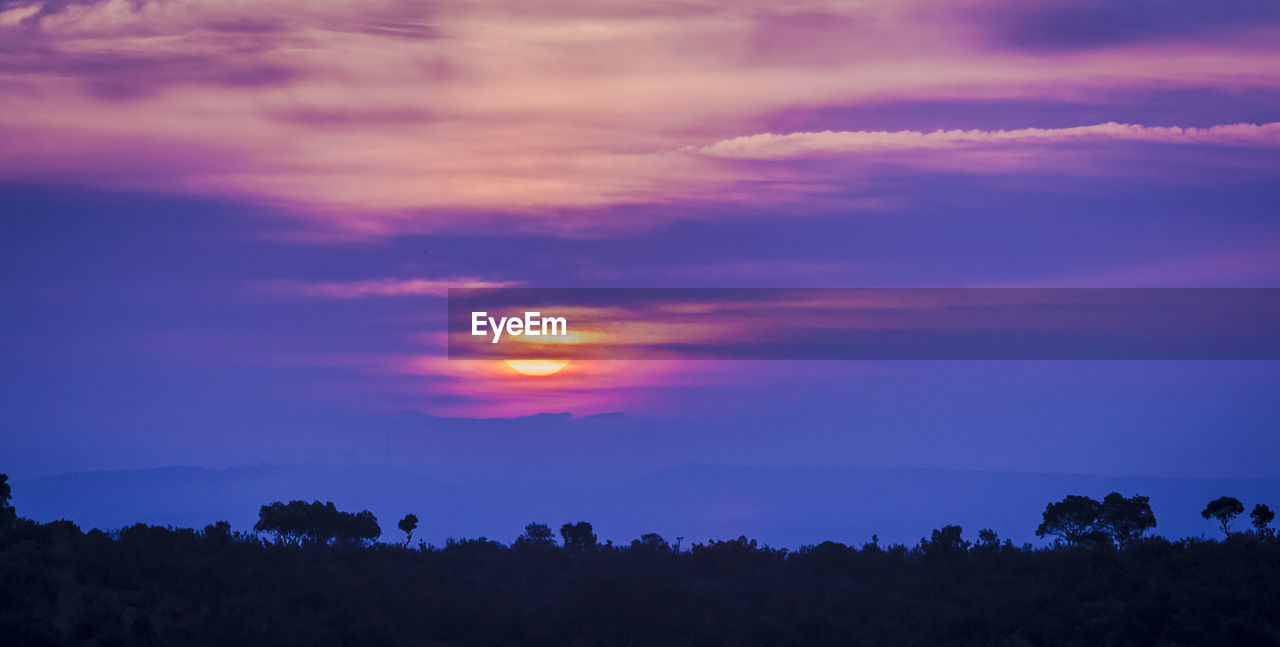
column 157, row 586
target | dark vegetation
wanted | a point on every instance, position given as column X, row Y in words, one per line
column 314, row 575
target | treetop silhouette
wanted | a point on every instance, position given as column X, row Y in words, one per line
column 1082, row 521
column 1262, row 516
column 300, row 523
column 1224, row 509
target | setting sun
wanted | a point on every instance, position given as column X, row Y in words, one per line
column 537, row 366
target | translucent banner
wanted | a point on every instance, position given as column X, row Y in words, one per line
column 864, row 323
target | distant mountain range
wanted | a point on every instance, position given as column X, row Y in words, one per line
column 785, row 507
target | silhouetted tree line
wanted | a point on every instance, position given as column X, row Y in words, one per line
column 313, row 575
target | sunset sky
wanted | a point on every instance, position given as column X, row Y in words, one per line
column 228, row 227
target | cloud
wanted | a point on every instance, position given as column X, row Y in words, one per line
column 391, row 117
column 769, row 146
column 374, row 288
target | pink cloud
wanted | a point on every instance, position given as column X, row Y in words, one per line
column 393, row 117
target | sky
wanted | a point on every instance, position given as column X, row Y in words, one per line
column 228, row 228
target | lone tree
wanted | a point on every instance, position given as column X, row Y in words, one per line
column 1262, row 516
column 578, row 537
column 407, row 525
column 1125, row 520
column 1071, row 520
column 1224, row 509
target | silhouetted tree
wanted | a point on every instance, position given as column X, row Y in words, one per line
column 218, row 533
column 407, row 525
column 536, row 536
column 1072, row 520
column 281, row 521
column 355, row 530
column 1125, row 520
column 578, row 537
column 947, row 540
column 650, row 541
column 316, row 523
column 988, row 539
column 1224, row 509
column 1262, row 516
column 7, row 514
column 539, row 533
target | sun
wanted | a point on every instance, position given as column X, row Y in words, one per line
column 537, row 366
